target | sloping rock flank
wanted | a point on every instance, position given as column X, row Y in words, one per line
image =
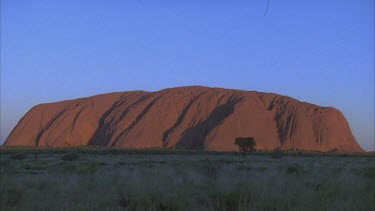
column 194, row 117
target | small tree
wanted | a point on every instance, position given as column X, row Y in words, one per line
column 245, row 144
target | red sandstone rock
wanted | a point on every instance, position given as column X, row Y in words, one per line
column 186, row 117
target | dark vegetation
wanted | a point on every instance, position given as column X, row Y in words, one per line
column 93, row 178
column 69, row 156
column 245, row 144
column 278, row 153
column 18, row 156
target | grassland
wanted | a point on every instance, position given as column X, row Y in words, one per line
column 105, row 179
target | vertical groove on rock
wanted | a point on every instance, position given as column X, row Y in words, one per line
column 139, row 117
column 179, row 119
column 194, row 137
column 285, row 117
column 74, row 123
column 77, row 116
column 37, row 140
column 115, row 121
column 103, row 135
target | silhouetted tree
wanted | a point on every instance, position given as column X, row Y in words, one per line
column 245, row 144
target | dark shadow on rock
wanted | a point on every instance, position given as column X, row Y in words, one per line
column 139, row 117
column 194, row 137
column 103, row 134
column 180, row 119
column 49, row 124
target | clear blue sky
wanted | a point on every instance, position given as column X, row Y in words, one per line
column 319, row 51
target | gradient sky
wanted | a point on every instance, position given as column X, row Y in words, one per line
column 319, row 51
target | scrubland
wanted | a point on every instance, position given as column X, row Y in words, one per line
column 105, row 179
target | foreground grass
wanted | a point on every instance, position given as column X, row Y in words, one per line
column 94, row 179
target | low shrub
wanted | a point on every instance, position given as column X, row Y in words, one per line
column 4, row 163
column 83, row 168
column 295, row 170
column 70, row 156
column 124, row 202
column 12, row 197
column 277, row 153
column 368, row 172
column 234, row 200
column 68, row 167
column 18, row 156
column 39, row 168
column 121, row 163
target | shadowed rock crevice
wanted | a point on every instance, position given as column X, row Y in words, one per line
column 74, row 124
column 77, row 116
column 285, row 117
column 37, row 140
column 139, row 117
column 103, row 134
column 194, row 137
column 115, row 121
column 180, row 119
column 317, row 127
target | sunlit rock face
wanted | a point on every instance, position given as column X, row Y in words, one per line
column 192, row 117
